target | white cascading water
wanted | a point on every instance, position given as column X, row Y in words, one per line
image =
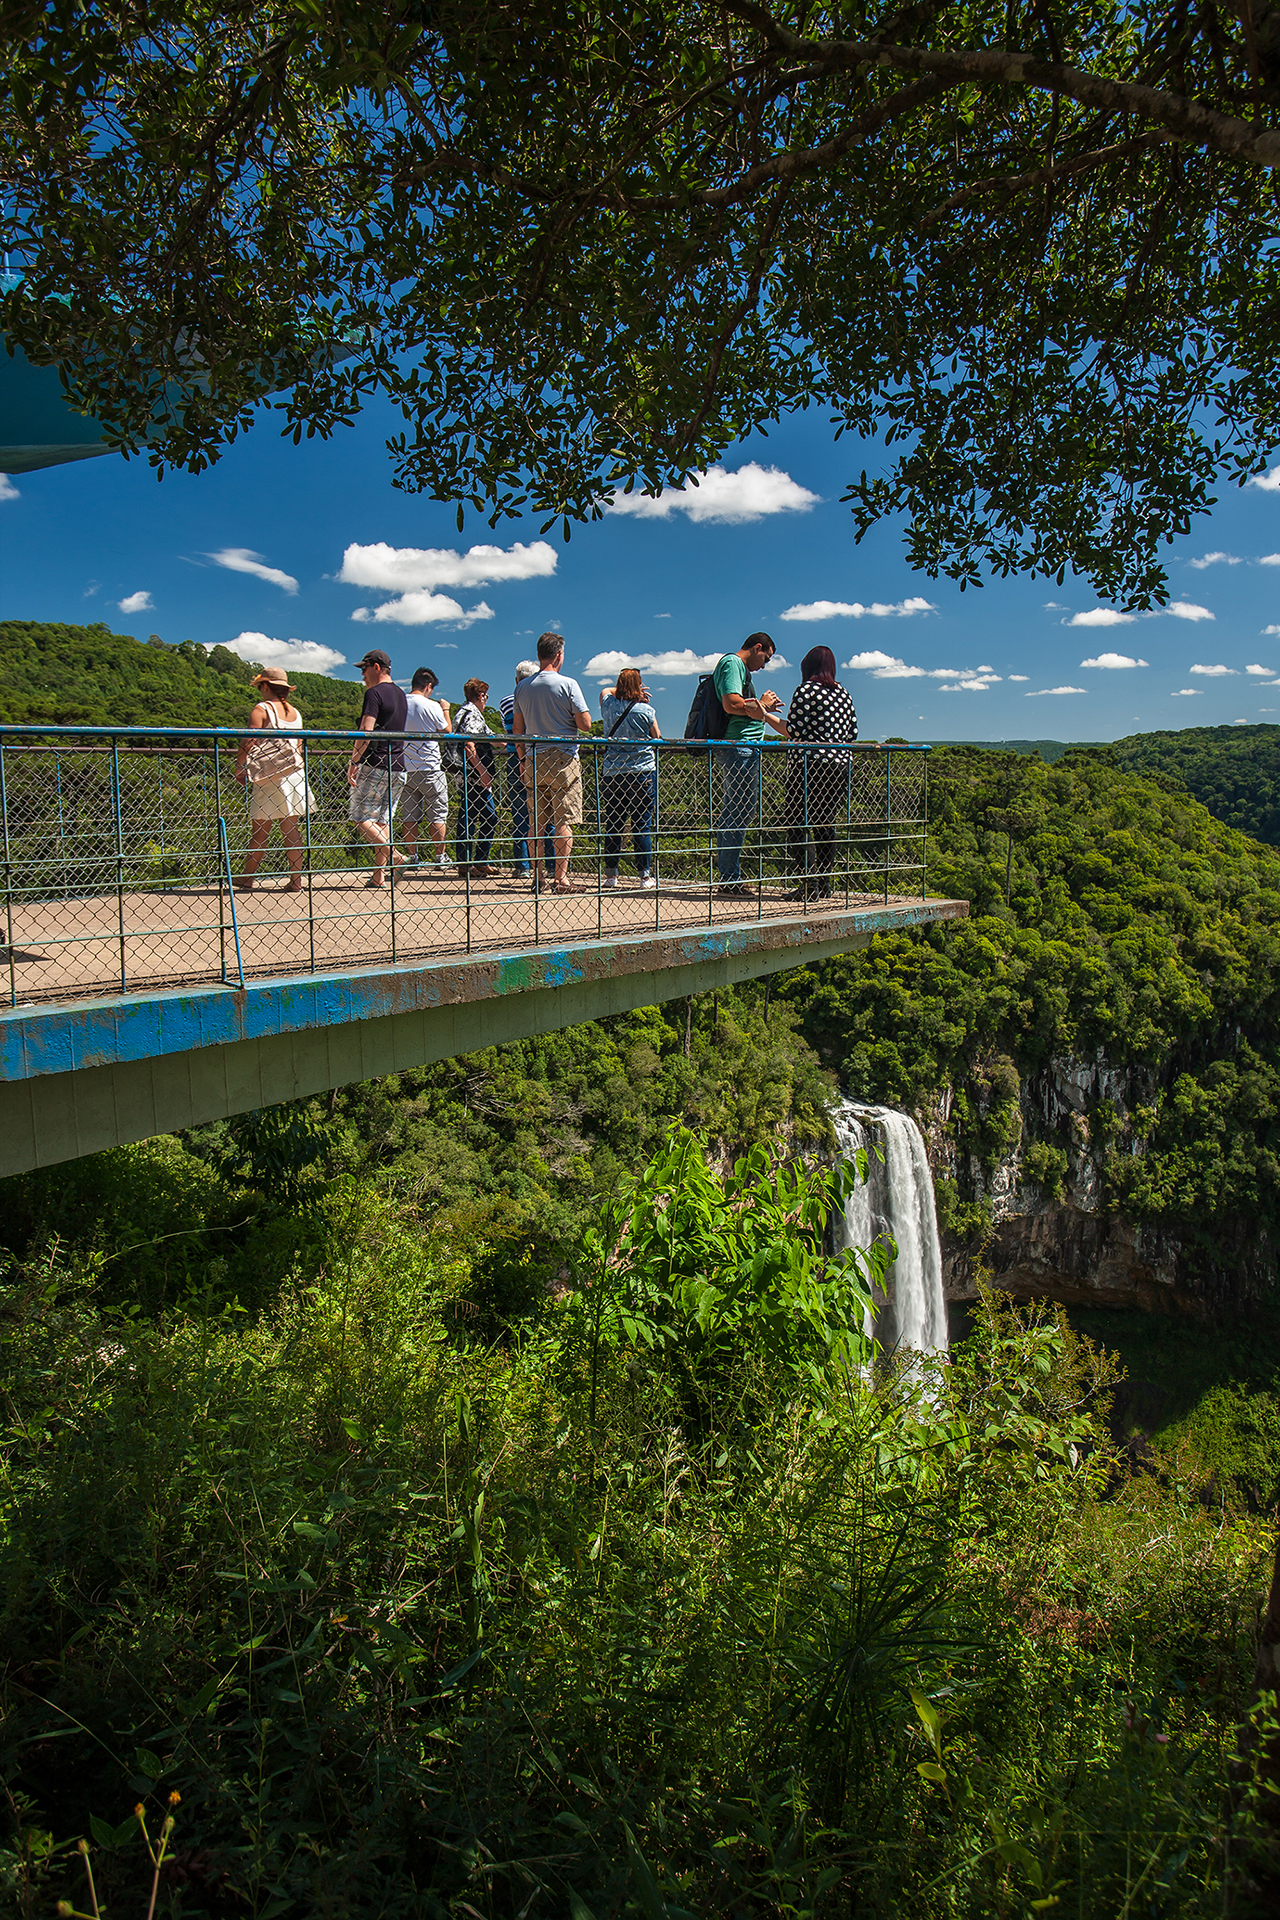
column 896, row 1202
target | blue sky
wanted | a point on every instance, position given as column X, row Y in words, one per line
column 692, row 578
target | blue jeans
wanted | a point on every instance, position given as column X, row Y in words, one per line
column 473, row 829
column 623, row 797
column 739, row 787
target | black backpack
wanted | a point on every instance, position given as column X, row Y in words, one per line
column 707, row 717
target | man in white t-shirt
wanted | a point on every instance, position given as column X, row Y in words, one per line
column 426, row 788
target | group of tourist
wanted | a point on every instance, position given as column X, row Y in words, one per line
column 400, row 772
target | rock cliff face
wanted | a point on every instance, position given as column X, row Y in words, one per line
column 1059, row 1240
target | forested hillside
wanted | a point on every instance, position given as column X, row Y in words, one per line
column 1234, row 771
column 1111, row 916
column 90, row 676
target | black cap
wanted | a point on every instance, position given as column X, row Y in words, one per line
column 375, row 658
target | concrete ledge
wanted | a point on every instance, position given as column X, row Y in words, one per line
column 78, row 1079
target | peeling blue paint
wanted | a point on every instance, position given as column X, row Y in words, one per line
column 47, row 1040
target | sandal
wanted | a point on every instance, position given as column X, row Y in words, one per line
column 373, row 883
column 566, row 886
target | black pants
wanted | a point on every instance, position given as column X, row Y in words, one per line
column 816, row 799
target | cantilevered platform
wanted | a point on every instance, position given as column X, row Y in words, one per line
column 79, row 1077
column 148, row 992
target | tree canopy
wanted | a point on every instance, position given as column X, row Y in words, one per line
column 590, row 246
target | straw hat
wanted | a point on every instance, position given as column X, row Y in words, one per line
column 274, row 677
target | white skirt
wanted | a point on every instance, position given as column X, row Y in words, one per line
column 281, row 799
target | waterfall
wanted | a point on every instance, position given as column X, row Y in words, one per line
column 896, row 1202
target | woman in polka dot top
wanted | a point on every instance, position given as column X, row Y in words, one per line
column 817, row 780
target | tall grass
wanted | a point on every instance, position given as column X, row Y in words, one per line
column 662, row 1597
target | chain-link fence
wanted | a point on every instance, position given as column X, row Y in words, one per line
column 137, row 860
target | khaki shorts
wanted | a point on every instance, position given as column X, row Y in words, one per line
column 558, row 792
column 374, row 795
column 426, row 797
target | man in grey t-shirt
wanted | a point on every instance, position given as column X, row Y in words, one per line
column 551, row 705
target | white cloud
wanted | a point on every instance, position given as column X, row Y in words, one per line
column 1269, row 482
column 1112, row 661
column 1256, row 669
column 1055, row 606
column 1264, row 559
column 1212, row 673
column 307, row 655
column 1188, row 693
column 1214, row 560
column 1037, row 692
column 854, row 609
column 662, row 616
column 731, row 499
column 1019, row 676
column 414, row 573
column 887, row 666
column 7, row 489
column 1271, row 630
column 1186, row 610
column 139, row 602
column 1112, row 616
column 446, row 646
column 245, row 560
column 605, row 665
column 421, row 609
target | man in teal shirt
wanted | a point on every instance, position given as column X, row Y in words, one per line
column 739, row 757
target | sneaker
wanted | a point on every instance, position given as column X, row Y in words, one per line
column 442, row 860
column 412, row 862
column 647, row 880
column 609, row 880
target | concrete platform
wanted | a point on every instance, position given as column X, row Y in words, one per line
column 95, row 1072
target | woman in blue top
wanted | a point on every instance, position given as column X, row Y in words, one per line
column 629, row 776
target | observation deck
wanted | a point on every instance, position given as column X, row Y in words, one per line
column 145, row 992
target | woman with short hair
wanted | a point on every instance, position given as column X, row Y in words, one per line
column 629, row 774
column 477, row 808
column 281, row 794
column 818, row 778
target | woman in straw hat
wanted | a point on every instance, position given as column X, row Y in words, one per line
column 274, row 793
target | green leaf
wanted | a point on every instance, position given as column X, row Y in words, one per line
column 930, row 1770
column 148, row 1763
column 578, row 1909
column 102, row 1830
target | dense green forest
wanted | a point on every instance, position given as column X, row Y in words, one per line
column 92, row 677
column 470, row 1493
column 1234, row 771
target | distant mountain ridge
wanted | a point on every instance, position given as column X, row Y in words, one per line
column 90, row 676
column 1234, row 771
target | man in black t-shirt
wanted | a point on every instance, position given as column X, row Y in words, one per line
column 376, row 772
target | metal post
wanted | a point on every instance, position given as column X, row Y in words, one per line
column 596, row 756
column 224, row 869
column 391, row 863
column 888, row 817
column 8, row 880
column 119, row 820
column 231, row 894
column 924, row 831
column 306, row 814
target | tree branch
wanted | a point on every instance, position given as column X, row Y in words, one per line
column 1042, row 176
column 1002, row 67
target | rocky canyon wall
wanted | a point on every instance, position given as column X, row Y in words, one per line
column 1055, row 1235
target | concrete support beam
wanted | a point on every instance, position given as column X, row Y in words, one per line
column 76, row 1080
